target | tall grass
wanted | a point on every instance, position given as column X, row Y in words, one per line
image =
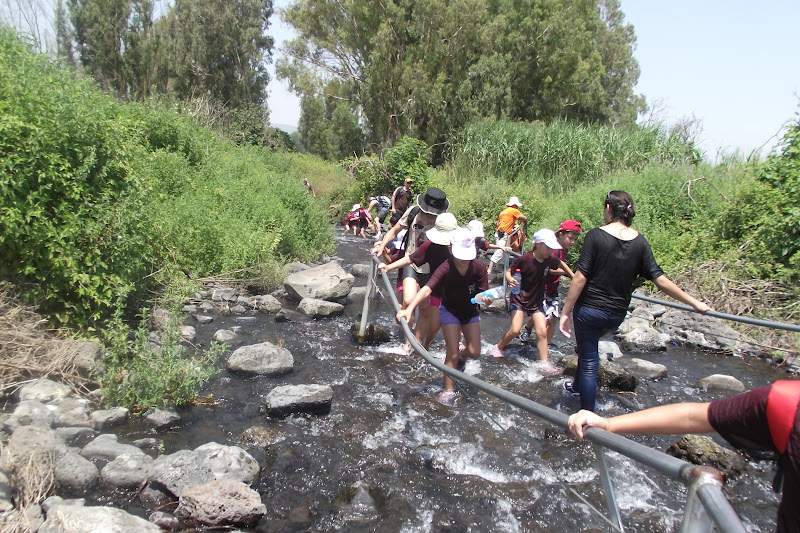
column 560, row 155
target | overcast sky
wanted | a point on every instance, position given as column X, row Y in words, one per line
column 733, row 65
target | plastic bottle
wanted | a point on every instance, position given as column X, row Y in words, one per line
column 493, row 293
column 518, row 278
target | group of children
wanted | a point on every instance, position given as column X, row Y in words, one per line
column 446, row 295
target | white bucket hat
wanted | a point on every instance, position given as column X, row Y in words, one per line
column 440, row 232
column 356, row 207
column 514, row 201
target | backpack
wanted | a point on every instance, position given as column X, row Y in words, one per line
column 384, row 202
column 782, row 406
column 411, row 216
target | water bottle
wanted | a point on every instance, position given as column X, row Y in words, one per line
column 518, row 278
column 493, row 293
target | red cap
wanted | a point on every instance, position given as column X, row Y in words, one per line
column 570, row 225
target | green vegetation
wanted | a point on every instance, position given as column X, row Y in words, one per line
column 138, row 374
column 424, row 68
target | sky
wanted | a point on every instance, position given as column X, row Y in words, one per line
column 733, row 65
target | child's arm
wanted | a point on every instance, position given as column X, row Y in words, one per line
column 402, row 262
column 563, row 270
column 406, row 313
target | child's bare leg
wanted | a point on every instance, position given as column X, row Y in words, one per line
column 540, row 326
column 452, row 334
column 517, row 317
column 432, row 319
column 472, row 339
column 410, row 288
column 552, row 324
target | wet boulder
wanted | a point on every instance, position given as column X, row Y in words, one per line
column 373, row 334
column 288, row 399
column 229, row 462
column 106, row 448
column 264, row 359
column 324, row 282
column 693, row 329
column 220, row 503
column 162, row 418
column 610, row 374
column 175, row 471
column 268, row 304
column 128, row 471
column 259, row 437
column 106, row 418
column 645, row 369
column 720, row 383
column 224, row 335
column 700, row 450
column 316, row 308
column 71, row 518
column 75, row 473
column 358, row 502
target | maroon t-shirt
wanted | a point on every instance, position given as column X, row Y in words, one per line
column 531, row 295
column 742, row 421
column 433, row 254
column 457, row 290
column 552, row 280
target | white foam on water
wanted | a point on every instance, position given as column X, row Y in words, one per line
column 504, row 517
column 425, row 522
column 469, row 460
column 391, row 432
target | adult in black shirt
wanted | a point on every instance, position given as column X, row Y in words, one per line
column 611, row 259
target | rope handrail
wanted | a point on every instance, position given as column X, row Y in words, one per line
column 711, row 495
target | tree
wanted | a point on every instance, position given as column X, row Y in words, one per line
column 345, row 133
column 426, row 67
column 218, row 48
column 313, row 129
column 99, row 29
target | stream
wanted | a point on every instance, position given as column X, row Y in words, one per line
column 390, row 457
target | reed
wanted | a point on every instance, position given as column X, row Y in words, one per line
column 561, row 155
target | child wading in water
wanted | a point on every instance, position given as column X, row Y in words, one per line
column 566, row 236
column 534, row 267
column 459, row 279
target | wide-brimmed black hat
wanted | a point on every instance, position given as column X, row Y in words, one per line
column 434, row 201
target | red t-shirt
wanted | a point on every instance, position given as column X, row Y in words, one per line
column 531, row 295
column 742, row 421
column 552, row 280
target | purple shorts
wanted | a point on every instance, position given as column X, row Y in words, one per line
column 446, row 317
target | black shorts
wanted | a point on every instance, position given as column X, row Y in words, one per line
column 409, row 272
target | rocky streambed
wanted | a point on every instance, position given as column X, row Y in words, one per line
column 309, row 431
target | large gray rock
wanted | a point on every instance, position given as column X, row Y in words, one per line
column 645, row 369
column 5, row 491
column 29, row 413
column 80, row 519
column 707, row 332
column 720, row 383
column 220, row 503
column 224, row 294
column 105, row 448
column 288, row 399
column 325, row 282
column 177, row 470
column 224, row 335
column 703, row 451
column 128, row 471
column 162, row 418
column 44, row 391
column 34, row 445
column 610, row 374
column 265, row 359
column 106, row 418
column 71, row 412
column 316, row 308
column 637, row 334
column 229, row 462
column 268, row 304
column 75, row 473
column 609, row 350
column 88, row 355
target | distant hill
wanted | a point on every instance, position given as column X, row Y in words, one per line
column 285, row 127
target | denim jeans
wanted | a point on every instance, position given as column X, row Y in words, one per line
column 590, row 325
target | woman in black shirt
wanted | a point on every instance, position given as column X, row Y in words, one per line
column 612, row 257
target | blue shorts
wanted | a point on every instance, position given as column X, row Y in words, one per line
column 446, row 317
column 529, row 312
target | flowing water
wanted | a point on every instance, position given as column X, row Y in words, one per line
column 390, row 457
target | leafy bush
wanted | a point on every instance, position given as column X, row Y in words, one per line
column 409, row 158
column 65, row 190
column 139, row 375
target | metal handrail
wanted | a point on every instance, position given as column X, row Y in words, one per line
column 725, row 316
column 709, row 494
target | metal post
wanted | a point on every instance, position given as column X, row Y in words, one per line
column 362, row 330
column 695, row 517
column 611, row 500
